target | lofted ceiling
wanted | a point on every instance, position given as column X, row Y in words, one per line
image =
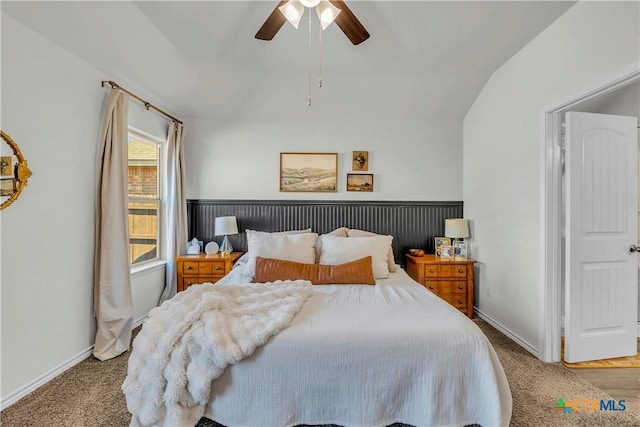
column 424, row 60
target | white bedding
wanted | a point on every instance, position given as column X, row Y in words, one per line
column 359, row 355
column 189, row 340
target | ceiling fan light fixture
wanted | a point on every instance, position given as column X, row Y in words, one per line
column 293, row 11
column 327, row 13
column 310, row 3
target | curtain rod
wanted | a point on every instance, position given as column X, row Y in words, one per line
column 147, row 105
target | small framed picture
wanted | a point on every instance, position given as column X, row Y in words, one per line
column 446, row 251
column 460, row 249
column 5, row 166
column 359, row 182
column 442, row 241
column 7, row 187
column 360, row 160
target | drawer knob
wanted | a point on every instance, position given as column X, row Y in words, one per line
column 460, row 270
column 218, row 267
column 189, row 284
column 460, row 301
column 432, row 271
column 432, row 287
column 460, row 287
column 189, row 267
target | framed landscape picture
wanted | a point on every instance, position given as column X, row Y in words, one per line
column 360, row 160
column 7, row 187
column 309, row 172
column 359, row 182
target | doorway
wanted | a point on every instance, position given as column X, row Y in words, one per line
column 600, row 194
column 609, row 96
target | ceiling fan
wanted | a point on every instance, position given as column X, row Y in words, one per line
column 328, row 11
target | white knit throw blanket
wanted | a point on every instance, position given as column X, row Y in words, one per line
column 189, row 340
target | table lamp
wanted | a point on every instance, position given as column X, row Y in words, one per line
column 457, row 228
column 226, row 225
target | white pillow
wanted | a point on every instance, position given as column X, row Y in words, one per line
column 245, row 256
column 306, row 230
column 340, row 232
column 338, row 250
column 288, row 247
column 351, row 232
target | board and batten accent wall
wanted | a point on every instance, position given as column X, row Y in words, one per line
column 412, row 224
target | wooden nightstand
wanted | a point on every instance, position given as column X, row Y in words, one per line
column 196, row 269
column 450, row 279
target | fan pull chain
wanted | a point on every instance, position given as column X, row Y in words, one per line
column 320, row 65
column 309, row 98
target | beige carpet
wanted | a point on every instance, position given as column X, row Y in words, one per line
column 89, row 394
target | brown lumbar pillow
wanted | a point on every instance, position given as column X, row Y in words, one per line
column 353, row 273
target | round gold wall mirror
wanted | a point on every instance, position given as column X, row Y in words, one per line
column 14, row 172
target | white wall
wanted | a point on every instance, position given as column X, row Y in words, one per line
column 410, row 159
column 502, row 143
column 51, row 106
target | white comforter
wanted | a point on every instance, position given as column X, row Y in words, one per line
column 189, row 340
column 367, row 356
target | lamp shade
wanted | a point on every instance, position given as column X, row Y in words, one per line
column 226, row 225
column 293, row 11
column 310, row 3
column 327, row 13
column 457, row 228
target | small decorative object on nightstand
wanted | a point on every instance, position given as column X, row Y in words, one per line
column 203, row 268
column 451, row 279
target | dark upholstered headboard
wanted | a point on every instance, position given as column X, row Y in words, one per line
column 412, row 224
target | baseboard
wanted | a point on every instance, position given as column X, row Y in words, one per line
column 12, row 398
column 139, row 322
column 43, row 379
column 515, row 338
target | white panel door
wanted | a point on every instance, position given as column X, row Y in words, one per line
column 601, row 272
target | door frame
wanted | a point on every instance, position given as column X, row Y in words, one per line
column 551, row 221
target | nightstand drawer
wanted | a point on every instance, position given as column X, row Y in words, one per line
column 442, row 287
column 203, row 268
column 434, row 286
column 190, row 267
column 430, row 271
column 187, row 282
column 445, row 271
column 459, row 288
column 449, row 278
column 459, row 270
column 198, row 280
column 458, row 301
column 212, row 268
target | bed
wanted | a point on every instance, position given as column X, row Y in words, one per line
column 358, row 355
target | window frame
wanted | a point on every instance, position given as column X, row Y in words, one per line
column 160, row 260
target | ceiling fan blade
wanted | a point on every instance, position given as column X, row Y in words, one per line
column 349, row 24
column 272, row 25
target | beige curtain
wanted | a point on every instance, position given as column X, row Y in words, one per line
column 112, row 280
column 176, row 211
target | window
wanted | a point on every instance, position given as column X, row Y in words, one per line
column 145, row 198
